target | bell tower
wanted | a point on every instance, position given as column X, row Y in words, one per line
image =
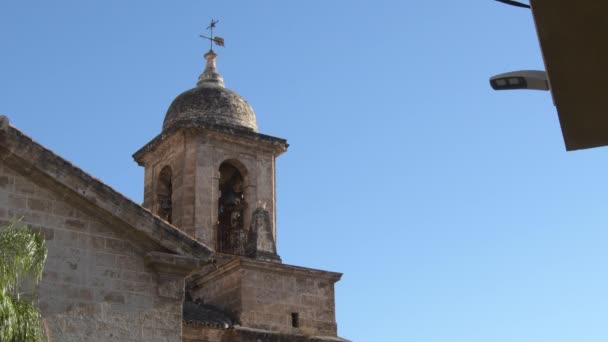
column 210, row 173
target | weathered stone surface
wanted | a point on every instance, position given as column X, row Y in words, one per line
column 115, row 270
column 194, row 333
column 32, row 161
column 211, row 102
column 87, row 274
column 194, row 157
column 264, row 295
column 260, row 240
column 203, row 333
column 154, row 145
column 104, row 279
column 199, row 314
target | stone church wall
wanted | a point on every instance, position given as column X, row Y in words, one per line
column 272, row 297
column 204, row 334
column 95, row 285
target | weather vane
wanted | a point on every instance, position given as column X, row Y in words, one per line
column 217, row 40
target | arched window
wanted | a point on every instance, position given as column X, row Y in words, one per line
column 164, row 191
column 230, row 232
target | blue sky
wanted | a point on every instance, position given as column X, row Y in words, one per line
column 454, row 211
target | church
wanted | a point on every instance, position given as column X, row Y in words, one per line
column 197, row 261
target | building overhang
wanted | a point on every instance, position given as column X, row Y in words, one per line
column 572, row 38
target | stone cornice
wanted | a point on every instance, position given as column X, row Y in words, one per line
column 246, row 263
column 277, row 145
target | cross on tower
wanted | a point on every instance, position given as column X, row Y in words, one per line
column 217, row 40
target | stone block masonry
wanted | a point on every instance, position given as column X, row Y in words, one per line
column 271, row 296
column 96, row 284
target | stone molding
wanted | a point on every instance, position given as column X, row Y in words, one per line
column 172, row 263
column 171, row 269
column 36, row 161
column 246, row 263
column 249, row 334
column 233, row 133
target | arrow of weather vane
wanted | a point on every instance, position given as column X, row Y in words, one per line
column 219, row 41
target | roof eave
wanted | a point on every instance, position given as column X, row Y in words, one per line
column 14, row 144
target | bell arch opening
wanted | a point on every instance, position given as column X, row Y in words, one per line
column 164, row 193
column 232, row 205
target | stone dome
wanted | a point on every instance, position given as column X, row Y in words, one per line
column 210, row 103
